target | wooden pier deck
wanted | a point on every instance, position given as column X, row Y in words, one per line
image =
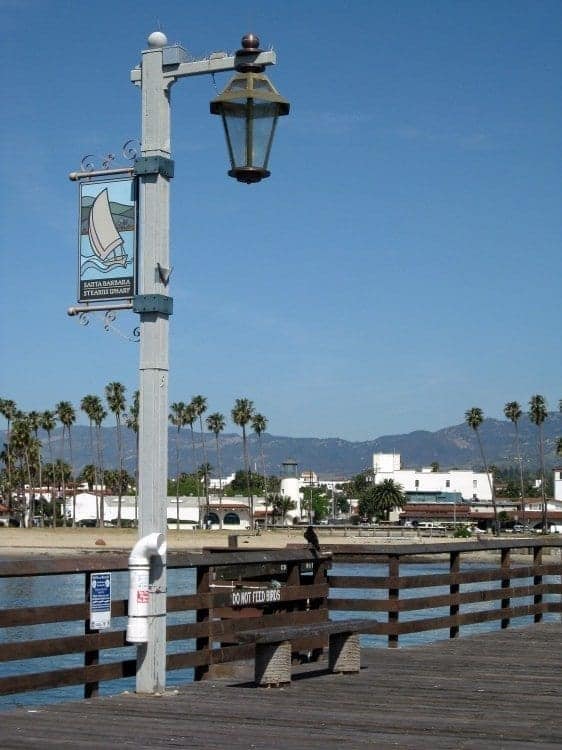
column 499, row 690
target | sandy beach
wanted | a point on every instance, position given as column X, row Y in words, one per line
column 14, row 541
column 20, row 543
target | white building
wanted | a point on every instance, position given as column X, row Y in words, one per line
column 558, row 483
column 231, row 514
column 471, row 485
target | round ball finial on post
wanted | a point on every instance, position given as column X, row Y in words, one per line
column 250, row 42
column 157, row 40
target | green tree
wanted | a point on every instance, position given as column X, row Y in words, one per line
column 513, row 412
column 34, row 421
column 281, row 505
column 316, row 502
column 177, row 418
column 190, row 418
column 8, row 410
column 67, row 417
column 88, row 405
column 474, row 418
column 434, row 466
column 89, row 474
column 99, row 414
column 537, row 414
column 216, row 424
column 378, row 500
column 115, row 397
column 24, row 448
column 132, row 423
column 242, row 413
column 259, row 425
column 48, row 423
column 199, row 404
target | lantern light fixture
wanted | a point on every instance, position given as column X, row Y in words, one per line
column 249, row 106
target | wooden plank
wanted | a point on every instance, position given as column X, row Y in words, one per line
column 407, row 698
column 19, row 616
column 63, row 645
column 278, row 634
column 440, row 579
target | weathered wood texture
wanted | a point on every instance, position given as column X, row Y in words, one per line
column 495, row 691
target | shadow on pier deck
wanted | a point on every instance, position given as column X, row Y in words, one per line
column 499, row 690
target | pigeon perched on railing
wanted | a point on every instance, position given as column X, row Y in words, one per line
column 312, row 538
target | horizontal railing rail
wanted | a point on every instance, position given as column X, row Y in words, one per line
column 230, row 591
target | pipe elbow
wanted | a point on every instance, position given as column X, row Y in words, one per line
column 148, row 546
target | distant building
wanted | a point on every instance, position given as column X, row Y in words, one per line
column 470, row 485
column 558, row 483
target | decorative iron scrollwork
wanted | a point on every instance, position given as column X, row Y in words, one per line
column 131, row 149
column 129, row 152
column 108, row 322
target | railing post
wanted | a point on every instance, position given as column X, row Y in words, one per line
column 320, row 576
column 505, row 584
column 203, row 642
column 393, row 598
column 537, row 581
column 91, row 689
column 454, row 588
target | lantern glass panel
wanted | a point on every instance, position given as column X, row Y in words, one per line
column 249, row 125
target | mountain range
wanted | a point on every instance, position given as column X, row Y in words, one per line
column 451, row 447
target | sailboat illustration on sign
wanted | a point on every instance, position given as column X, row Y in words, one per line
column 105, row 240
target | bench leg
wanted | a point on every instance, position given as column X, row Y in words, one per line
column 273, row 664
column 345, row 652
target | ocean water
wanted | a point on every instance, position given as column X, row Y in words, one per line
column 40, row 591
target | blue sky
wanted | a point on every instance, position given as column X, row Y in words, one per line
column 402, row 263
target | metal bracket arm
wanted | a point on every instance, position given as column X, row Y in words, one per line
column 153, row 303
column 212, row 64
column 154, row 165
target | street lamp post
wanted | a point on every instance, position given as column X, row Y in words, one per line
column 161, row 67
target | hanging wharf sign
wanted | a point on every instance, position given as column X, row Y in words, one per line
column 107, row 246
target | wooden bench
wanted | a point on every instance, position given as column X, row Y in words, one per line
column 273, row 648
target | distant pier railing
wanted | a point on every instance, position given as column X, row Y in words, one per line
column 231, row 591
column 513, row 579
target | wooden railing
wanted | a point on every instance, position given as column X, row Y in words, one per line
column 232, row 591
column 477, row 583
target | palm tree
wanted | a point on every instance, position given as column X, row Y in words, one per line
column 190, row 417
column 132, row 423
column 216, row 424
column 89, row 405
column 474, row 418
column 8, row 410
column 242, row 413
column 537, row 414
column 199, row 404
column 513, row 412
column 115, row 397
column 34, row 421
column 48, row 423
column 67, row 417
column 98, row 415
column 177, row 418
column 259, row 425
column 380, row 499
column 24, row 447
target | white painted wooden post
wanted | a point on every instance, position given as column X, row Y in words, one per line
column 153, row 402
